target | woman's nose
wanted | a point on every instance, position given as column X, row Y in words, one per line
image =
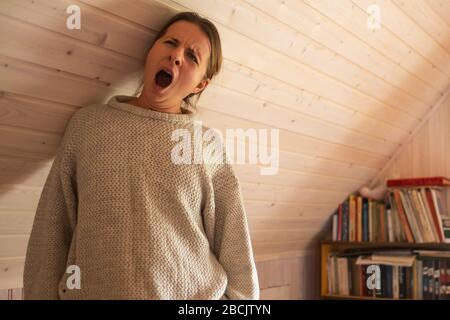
column 176, row 56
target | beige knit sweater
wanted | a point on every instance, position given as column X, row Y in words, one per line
column 137, row 225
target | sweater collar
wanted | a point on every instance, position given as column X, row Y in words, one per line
column 120, row 102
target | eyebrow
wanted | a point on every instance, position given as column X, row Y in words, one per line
column 192, row 50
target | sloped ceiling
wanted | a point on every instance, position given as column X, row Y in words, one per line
column 343, row 94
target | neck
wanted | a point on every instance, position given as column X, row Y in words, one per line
column 143, row 101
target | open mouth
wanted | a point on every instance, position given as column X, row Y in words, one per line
column 163, row 78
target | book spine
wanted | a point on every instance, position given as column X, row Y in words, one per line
column 352, row 219
column 402, row 216
column 345, row 221
column 359, row 224
column 365, row 218
column 431, row 181
column 434, row 215
column 340, row 222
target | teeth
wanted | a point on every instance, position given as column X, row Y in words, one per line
column 168, row 72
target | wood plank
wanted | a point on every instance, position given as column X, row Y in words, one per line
column 273, row 273
column 17, row 171
column 16, row 221
column 252, row 191
column 261, row 257
column 19, row 198
column 251, row 174
column 271, row 248
column 31, row 113
column 258, row 223
column 11, row 273
column 136, row 12
column 276, row 209
column 17, row 294
column 50, row 49
column 4, row 294
column 51, row 84
column 275, row 293
column 28, row 141
column 28, row 177
column 10, row 163
column 277, row 235
column 13, row 246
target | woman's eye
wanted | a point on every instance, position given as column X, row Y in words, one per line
column 170, row 42
column 192, row 56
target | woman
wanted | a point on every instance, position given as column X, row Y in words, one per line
column 118, row 219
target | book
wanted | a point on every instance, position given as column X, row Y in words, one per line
column 412, row 182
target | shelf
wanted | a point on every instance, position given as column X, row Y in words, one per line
column 391, row 245
column 328, row 246
column 338, row 297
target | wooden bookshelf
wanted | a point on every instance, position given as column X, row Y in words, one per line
column 338, row 297
column 328, row 246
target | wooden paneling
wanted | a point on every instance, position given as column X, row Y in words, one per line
column 427, row 153
column 11, row 273
column 345, row 99
column 11, row 294
column 291, row 279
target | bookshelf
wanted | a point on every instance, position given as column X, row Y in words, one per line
column 405, row 236
column 328, row 246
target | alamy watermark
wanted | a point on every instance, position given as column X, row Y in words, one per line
column 260, row 151
column 374, row 280
column 74, row 280
column 74, row 20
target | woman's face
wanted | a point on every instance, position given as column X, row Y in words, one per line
column 183, row 53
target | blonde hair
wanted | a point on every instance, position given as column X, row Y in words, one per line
column 215, row 58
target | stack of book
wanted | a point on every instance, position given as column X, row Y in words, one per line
column 415, row 211
column 402, row 274
column 359, row 219
column 419, row 209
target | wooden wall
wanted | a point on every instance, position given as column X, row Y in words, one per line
column 344, row 98
column 425, row 154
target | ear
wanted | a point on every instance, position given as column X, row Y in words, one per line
column 201, row 86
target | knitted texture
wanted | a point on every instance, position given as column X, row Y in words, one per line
column 137, row 225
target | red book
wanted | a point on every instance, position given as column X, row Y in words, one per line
column 416, row 182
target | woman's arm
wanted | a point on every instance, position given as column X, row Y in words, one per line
column 232, row 245
column 53, row 225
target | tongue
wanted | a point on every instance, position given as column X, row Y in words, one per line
column 163, row 79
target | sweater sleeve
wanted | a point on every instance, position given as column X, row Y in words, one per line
column 53, row 226
column 232, row 244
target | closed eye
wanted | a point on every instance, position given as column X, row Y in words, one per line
column 193, row 57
